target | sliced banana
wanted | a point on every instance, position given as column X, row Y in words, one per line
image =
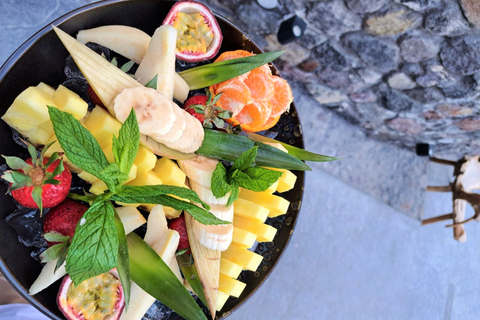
column 216, row 237
column 199, row 169
column 178, row 127
column 154, row 112
column 206, row 194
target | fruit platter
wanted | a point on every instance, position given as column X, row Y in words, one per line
column 152, row 164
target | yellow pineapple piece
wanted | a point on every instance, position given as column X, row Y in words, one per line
column 55, row 147
column 248, row 209
column 85, row 176
column 222, row 298
column 145, row 160
column 46, row 89
column 243, row 238
column 102, row 125
column 37, row 136
column 287, row 180
column 231, row 286
column 249, row 260
column 264, row 232
column 149, row 178
column 230, row 268
column 29, row 109
column 169, row 172
column 68, row 101
column 131, row 218
column 276, row 204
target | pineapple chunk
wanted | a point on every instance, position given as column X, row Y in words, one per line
column 55, row 147
column 169, row 172
column 222, row 298
column 37, row 136
column 46, row 89
column 131, row 218
column 145, row 160
column 230, row 286
column 287, row 180
column 85, row 176
column 248, row 209
column 146, row 179
column 230, row 268
column 276, row 204
column 68, row 101
column 247, row 259
column 29, row 110
column 243, row 238
column 272, row 188
column 102, row 125
column 264, row 232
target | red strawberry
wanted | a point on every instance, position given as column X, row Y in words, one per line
column 204, row 109
column 38, row 182
column 64, row 218
column 94, row 97
column 178, row 224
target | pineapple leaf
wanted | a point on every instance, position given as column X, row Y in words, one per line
column 17, row 164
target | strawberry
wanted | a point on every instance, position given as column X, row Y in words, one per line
column 203, row 108
column 63, row 218
column 94, row 97
column 38, row 182
column 178, row 224
column 58, row 229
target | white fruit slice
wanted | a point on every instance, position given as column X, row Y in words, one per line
column 206, row 194
column 154, row 111
column 216, row 237
column 130, row 42
column 192, row 137
column 159, row 60
column 178, row 128
column 199, row 169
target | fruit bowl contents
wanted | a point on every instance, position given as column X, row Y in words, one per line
column 151, row 126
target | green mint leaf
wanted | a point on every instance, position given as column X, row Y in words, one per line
column 79, row 145
column 233, row 195
column 149, row 194
column 127, row 66
column 16, row 163
column 125, row 148
column 94, row 248
column 198, row 213
column 114, row 174
column 54, row 252
column 259, row 179
column 245, row 160
column 85, row 198
column 55, row 237
column 123, row 263
column 220, row 186
column 152, row 83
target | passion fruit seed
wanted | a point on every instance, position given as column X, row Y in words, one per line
column 194, row 32
column 94, row 299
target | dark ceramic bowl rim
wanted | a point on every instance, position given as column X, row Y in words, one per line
column 23, row 49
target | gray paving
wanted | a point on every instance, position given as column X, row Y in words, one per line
column 358, row 251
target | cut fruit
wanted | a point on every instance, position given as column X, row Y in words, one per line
column 251, row 210
column 145, row 160
column 231, row 286
column 230, row 268
column 243, row 238
column 95, row 298
column 264, row 232
column 282, row 98
column 199, row 35
column 68, row 101
column 276, row 204
column 247, row 259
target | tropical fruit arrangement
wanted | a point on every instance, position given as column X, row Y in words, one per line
column 171, row 151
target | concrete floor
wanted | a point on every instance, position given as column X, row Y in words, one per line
column 353, row 255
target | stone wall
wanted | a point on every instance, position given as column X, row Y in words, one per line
column 406, row 71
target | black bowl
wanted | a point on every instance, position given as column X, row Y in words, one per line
column 41, row 58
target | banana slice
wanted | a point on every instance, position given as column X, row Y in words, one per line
column 216, row 237
column 154, row 112
column 206, row 194
column 199, row 169
column 178, row 127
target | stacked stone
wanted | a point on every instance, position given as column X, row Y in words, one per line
column 407, row 71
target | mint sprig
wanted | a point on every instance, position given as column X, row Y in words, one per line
column 242, row 174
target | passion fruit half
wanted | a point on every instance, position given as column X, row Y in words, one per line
column 98, row 298
column 199, row 35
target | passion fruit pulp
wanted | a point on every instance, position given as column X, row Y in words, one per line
column 98, row 298
column 198, row 34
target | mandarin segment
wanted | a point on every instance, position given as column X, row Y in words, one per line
column 282, row 98
column 261, row 85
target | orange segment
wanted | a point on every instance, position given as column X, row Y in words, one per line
column 254, row 115
column 261, row 85
column 235, row 95
column 282, row 98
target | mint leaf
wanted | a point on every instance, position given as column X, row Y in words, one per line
column 79, row 145
column 233, row 195
column 220, row 186
column 125, row 148
column 123, row 263
column 245, row 160
column 148, row 194
column 259, row 179
column 94, row 248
